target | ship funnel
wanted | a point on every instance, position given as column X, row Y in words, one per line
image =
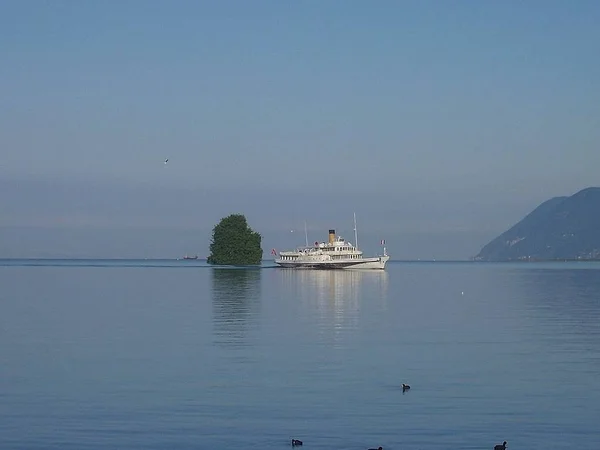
column 331, row 236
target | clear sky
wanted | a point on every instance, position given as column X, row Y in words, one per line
column 441, row 123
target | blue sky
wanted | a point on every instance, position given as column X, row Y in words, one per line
column 440, row 123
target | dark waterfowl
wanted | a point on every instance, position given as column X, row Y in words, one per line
column 405, row 387
column 500, row 446
column 296, row 442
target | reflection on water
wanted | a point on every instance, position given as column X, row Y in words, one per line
column 134, row 359
column 236, row 303
column 336, row 295
column 566, row 300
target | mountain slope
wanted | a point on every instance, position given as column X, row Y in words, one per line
column 560, row 228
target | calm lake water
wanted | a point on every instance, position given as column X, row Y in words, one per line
column 178, row 355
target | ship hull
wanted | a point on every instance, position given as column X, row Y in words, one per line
column 376, row 263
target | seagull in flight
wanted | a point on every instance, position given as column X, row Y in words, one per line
column 166, row 160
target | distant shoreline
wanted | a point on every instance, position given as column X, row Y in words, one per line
column 191, row 261
column 532, row 260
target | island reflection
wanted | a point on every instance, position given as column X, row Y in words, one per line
column 236, row 303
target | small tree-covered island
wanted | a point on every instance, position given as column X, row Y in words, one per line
column 234, row 243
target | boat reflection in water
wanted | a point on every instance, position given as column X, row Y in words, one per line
column 334, row 297
column 236, row 303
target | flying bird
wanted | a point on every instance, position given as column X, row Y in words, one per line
column 166, row 160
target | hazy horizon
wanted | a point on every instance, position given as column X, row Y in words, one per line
column 440, row 124
column 120, row 220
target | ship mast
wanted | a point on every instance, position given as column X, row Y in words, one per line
column 355, row 233
column 305, row 233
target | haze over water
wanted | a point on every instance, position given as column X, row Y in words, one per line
column 178, row 355
column 441, row 124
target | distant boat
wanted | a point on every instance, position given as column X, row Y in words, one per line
column 190, row 257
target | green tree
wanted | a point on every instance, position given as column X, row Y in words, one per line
column 235, row 243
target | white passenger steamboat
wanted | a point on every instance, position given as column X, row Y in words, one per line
column 336, row 253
